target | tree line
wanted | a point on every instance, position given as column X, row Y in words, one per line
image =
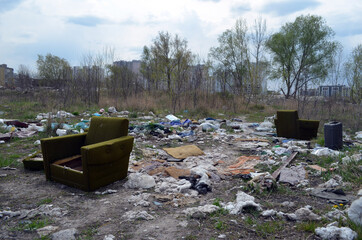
column 300, row 54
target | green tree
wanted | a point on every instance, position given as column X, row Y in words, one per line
column 353, row 71
column 302, row 52
column 121, row 81
column 166, row 64
column 231, row 57
column 56, row 72
column 53, row 70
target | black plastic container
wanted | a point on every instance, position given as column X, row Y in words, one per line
column 333, row 135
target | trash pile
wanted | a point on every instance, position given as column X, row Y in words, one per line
column 177, row 159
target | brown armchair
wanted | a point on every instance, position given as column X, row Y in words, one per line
column 89, row 160
column 289, row 125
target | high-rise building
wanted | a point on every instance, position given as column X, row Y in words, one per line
column 6, row 75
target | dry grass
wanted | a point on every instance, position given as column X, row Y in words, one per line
column 25, row 105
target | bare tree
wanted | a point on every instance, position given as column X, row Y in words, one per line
column 24, row 77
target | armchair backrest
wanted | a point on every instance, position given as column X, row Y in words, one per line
column 106, row 128
column 287, row 121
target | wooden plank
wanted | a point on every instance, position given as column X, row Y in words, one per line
column 277, row 172
column 68, row 159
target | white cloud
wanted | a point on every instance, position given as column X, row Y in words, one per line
column 70, row 28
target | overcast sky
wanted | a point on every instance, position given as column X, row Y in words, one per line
column 73, row 28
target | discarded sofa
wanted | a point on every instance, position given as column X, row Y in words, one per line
column 92, row 159
column 289, row 125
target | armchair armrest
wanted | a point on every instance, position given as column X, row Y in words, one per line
column 107, row 151
column 61, row 147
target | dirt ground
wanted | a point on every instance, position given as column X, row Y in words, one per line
column 95, row 215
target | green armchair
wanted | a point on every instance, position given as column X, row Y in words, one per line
column 89, row 160
column 290, row 126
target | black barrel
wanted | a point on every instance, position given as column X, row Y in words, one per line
column 333, row 135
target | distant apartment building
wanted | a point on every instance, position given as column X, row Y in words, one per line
column 6, row 75
column 334, row 91
column 134, row 65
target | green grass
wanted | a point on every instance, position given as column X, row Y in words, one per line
column 250, row 221
column 309, row 226
column 269, row 228
column 220, row 212
column 217, row 202
column 353, row 226
column 32, row 225
column 220, row 225
column 45, row 201
column 9, row 161
column 89, row 232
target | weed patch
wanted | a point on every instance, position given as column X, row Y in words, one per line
column 32, row 225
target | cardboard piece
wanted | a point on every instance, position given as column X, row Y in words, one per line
column 184, row 151
column 318, row 168
column 245, row 165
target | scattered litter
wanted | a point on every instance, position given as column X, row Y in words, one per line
column 61, row 132
column 243, row 202
column 353, row 158
column 8, row 168
column 263, row 181
column 245, row 165
column 65, row 234
column 201, row 209
column 323, row 151
column 109, row 237
column 137, row 215
column 108, row 191
column 44, row 231
column 335, row 196
column 139, row 180
column 286, row 162
column 318, row 168
column 332, row 232
column 269, row 213
column 355, row 211
column 336, row 214
column 332, row 183
column 306, row 214
column 171, row 118
column 177, row 172
column 292, row 175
